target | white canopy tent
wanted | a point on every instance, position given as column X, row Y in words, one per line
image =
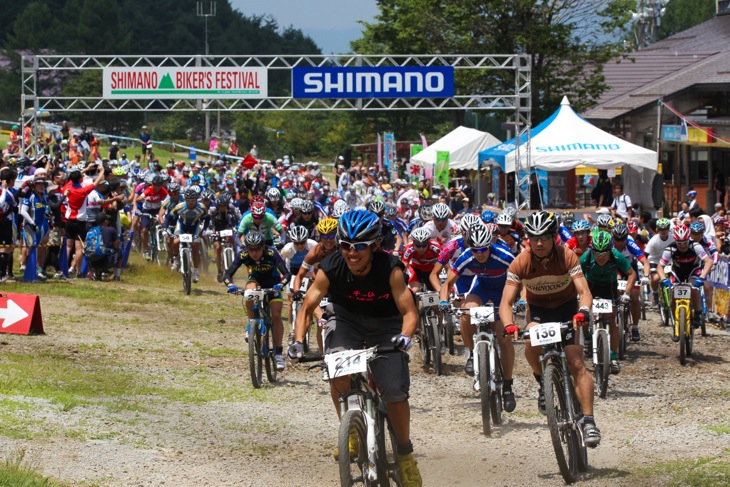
column 463, row 145
column 565, row 140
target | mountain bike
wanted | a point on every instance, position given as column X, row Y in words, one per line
column 296, row 307
column 366, row 440
column 683, row 315
column 186, row 260
column 644, row 292
column 488, row 379
column 429, row 335
column 564, row 412
column 160, row 244
column 601, row 343
column 154, row 241
column 665, row 307
column 228, row 253
column 260, row 336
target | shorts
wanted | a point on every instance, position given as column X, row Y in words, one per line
column 147, row 216
column 417, row 275
column 463, row 284
column 76, row 230
column 486, row 293
column 564, row 312
column 192, row 229
column 681, row 275
column 603, row 290
column 6, row 231
column 347, row 331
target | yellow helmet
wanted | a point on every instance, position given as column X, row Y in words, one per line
column 327, row 226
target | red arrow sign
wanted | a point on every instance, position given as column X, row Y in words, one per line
column 20, row 314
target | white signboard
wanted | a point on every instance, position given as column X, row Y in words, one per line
column 190, row 82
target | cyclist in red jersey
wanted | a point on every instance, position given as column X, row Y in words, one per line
column 420, row 255
column 581, row 240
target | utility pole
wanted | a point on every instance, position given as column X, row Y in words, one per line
column 201, row 12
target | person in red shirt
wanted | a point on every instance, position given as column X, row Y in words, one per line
column 75, row 214
column 581, row 240
column 420, row 255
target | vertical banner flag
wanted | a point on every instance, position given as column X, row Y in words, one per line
column 424, row 143
column 380, row 153
column 683, row 132
column 442, row 168
column 388, row 151
column 414, row 171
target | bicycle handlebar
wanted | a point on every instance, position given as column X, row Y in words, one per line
column 378, row 350
column 564, row 325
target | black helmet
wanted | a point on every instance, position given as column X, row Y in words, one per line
column 253, row 238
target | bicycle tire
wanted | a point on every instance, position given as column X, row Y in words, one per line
column 435, row 342
column 228, row 256
column 186, row 262
column 582, row 449
column 484, row 372
column 602, row 368
column 622, row 332
column 642, row 296
column 495, row 397
column 153, row 246
column 449, row 333
column 255, row 361
column 425, row 347
column 682, row 334
column 267, row 351
column 690, row 340
column 664, row 312
column 353, row 422
column 387, row 457
column 563, row 438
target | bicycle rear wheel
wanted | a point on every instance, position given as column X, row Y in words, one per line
column 602, row 367
column 622, row 320
column 664, row 311
column 682, row 333
column 387, row 459
column 255, row 361
column 484, row 371
column 581, row 448
column 424, row 342
column 353, row 464
column 563, row 436
column 495, row 397
column 449, row 332
column 154, row 254
column 267, row 351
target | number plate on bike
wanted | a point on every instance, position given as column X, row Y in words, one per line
column 602, row 306
column 226, row 233
column 545, row 334
column 428, row 300
column 186, row 237
column 347, row 362
column 682, row 292
column 481, row 314
column 252, row 294
column 324, row 303
column 622, row 285
column 305, row 285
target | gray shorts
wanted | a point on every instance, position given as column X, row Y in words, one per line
column 347, row 331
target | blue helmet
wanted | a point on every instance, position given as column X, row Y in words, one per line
column 487, row 216
column 697, row 227
column 359, row 226
column 581, row 226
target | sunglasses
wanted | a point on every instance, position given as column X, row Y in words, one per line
column 306, row 213
column 619, row 239
column 601, row 254
column 420, row 246
column 440, row 219
column 255, row 249
column 686, row 242
column 357, row 246
column 541, row 238
column 300, row 243
column 479, row 250
column 327, row 237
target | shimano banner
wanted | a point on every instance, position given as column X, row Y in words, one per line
column 373, row 82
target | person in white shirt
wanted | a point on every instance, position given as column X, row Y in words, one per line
column 621, row 205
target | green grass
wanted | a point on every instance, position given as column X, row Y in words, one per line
column 14, row 471
column 720, row 429
column 703, row 472
column 217, row 352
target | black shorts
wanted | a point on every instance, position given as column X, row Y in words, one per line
column 6, row 231
column 564, row 312
column 75, row 230
column 348, row 331
column 604, row 290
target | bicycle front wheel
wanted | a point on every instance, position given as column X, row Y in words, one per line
column 482, row 356
column 187, row 266
column 424, row 343
column 434, row 340
column 683, row 324
column 449, row 332
column 255, row 361
column 495, row 396
column 602, row 367
column 561, row 432
column 352, row 445
column 267, row 351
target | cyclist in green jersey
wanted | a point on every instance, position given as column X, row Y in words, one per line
column 601, row 264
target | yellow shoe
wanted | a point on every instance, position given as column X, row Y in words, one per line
column 409, row 473
column 353, row 447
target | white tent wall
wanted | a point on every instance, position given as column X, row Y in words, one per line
column 638, row 185
column 463, row 145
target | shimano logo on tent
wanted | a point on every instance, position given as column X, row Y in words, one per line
column 373, row 82
column 577, row 146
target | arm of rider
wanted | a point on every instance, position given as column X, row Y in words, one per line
column 297, row 284
column 317, row 290
column 433, row 278
column 630, row 280
column 161, row 216
column 451, row 278
column 586, row 298
column 647, row 267
column 405, row 302
column 99, row 177
column 509, row 295
column 708, row 267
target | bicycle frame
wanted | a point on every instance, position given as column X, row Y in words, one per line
column 682, row 304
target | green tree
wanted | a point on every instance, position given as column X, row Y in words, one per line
column 683, row 14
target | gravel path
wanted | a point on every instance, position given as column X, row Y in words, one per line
column 656, row 411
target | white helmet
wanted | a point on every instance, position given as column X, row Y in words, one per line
column 503, row 219
column 479, row 236
column 421, row 235
column 467, row 221
column 441, row 211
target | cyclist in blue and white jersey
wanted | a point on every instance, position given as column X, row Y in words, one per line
column 625, row 244
column 189, row 213
column 698, row 234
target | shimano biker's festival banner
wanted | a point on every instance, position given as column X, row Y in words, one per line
column 189, row 82
column 442, row 168
column 373, row 82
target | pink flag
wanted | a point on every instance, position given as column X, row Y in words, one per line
column 380, row 153
column 424, row 143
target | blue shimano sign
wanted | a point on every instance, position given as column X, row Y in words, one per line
column 373, row 82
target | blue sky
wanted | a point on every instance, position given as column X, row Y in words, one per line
column 331, row 23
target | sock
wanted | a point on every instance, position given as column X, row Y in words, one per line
column 279, row 351
column 117, row 272
column 589, row 418
column 538, row 378
column 614, row 356
column 467, row 352
column 507, row 385
column 406, row 449
column 3, row 263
